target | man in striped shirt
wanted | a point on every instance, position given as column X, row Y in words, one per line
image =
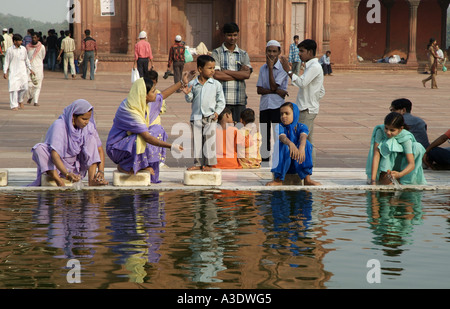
column 294, row 58
column 232, row 69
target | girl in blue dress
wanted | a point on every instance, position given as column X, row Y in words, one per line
column 394, row 154
column 293, row 152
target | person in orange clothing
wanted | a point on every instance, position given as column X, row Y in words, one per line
column 250, row 156
column 228, row 139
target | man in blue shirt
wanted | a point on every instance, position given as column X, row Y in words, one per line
column 272, row 86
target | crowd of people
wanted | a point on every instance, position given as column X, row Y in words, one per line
column 225, row 134
column 23, row 59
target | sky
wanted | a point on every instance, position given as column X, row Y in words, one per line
column 42, row 10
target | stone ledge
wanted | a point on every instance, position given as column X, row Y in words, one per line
column 200, row 178
column 140, row 179
column 3, row 178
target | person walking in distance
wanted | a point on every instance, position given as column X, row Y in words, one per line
column 15, row 70
column 52, row 47
column 68, row 48
column 143, row 57
column 176, row 59
column 88, row 54
column 36, row 55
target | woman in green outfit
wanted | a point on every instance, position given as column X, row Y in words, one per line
column 394, row 154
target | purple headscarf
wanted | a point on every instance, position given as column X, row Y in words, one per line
column 70, row 143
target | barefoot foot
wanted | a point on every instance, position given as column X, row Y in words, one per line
column 206, row 168
column 309, row 182
column 194, row 168
column 275, row 182
column 120, row 169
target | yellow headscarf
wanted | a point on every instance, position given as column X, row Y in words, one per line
column 138, row 108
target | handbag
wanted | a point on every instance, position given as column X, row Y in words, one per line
column 134, row 75
column 33, row 79
column 187, row 56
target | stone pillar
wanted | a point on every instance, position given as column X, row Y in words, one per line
column 412, row 55
column 131, row 21
column 388, row 4
column 326, row 25
column 318, row 24
column 251, row 19
column 444, row 6
column 355, row 27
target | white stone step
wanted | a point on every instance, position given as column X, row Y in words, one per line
column 3, row 178
column 140, row 179
column 201, row 178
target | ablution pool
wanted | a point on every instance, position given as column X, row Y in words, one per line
column 219, row 239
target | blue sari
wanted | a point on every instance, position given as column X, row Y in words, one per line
column 281, row 160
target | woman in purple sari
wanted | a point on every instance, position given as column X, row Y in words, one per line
column 71, row 148
column 133, row 144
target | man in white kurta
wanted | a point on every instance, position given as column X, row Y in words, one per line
column 36, row 55
column 15, row 70
column 7, row 43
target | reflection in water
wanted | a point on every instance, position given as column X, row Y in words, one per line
column 220, row 239
column 69, row 223
column 206, row 243
column 293, row 248
column 392, row 216
column 136, row 221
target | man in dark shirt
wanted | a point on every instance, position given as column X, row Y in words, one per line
column 52, row 47
column 416, row 125
column 88, row 53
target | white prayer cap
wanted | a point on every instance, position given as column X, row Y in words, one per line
column 4, row 29
column 273, row 43
column 178, row 38
column 143, row 35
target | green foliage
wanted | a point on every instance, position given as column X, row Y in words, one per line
column 22, row 24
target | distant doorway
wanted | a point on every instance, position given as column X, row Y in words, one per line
column 298, row 20
column 199, row 25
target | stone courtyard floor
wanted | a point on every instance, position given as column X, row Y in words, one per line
column 354, row 103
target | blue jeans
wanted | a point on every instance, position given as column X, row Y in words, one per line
column 89, row 56
column 51, row 59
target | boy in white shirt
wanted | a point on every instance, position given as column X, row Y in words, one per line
column 310, row 84
column 208, row 101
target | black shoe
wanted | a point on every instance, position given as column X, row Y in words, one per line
column 167, row 74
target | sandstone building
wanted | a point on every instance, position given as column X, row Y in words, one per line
column 342, row 26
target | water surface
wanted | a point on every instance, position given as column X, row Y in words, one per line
column 224, row 239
